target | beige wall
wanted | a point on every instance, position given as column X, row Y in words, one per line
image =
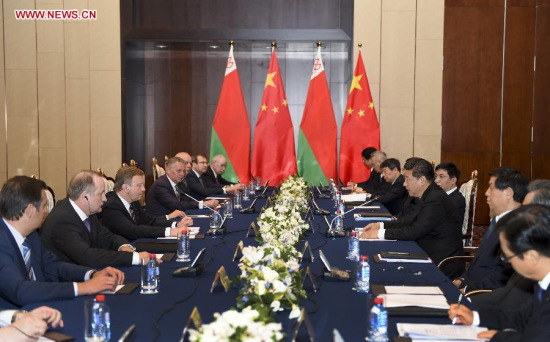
column 62, row 94
column 403, row 55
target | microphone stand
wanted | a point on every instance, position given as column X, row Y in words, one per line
column 214, row 212
column 318, row 211
column 334, row 232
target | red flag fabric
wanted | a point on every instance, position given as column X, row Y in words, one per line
column 231, row 129
column 318, row 130
column 273, row 156
column 360, row 128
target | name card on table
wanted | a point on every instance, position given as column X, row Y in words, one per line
column 307, row 254
column 309, row 275
column 239, row 248
column 303, row 319
column 222, row 277
column 254, row 228
column 194, row 318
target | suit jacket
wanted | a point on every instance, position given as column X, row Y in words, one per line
column 214, row 180
column 459, row 202
column 162, row 199
column 530, row 322
column 65, row 234
column 372, row 184
column 198, row 190
column 53, row 277
column 486, row 270
column 433, row 224
column 392, row 196
column 517, row 292
column 119, row 221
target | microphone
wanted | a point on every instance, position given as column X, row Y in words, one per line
column 250, row 209
column 214, row 212
column 262, row 195
column 321, row 195
column 318, row 211
column 331, row 231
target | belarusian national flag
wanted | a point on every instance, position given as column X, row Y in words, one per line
column 273, row 156
column 231, row 129
column 318, row 130
column 360, row 128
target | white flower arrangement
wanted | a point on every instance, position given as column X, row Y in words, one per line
column 247, row 325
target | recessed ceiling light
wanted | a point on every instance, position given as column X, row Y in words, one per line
column 214, row 46
column 160, row 46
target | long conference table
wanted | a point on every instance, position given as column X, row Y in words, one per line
column 335, row 305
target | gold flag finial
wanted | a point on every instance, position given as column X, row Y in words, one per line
column 273, row 44
column 319, row 44
column 231, row 43
column 360, row 45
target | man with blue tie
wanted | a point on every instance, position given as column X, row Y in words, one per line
column 30, row 273
column 525, row 244
column 506, row 191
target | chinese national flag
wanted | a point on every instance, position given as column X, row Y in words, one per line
column 360, row 128
column 273, row 156
column 318, row 130
column 231, row 129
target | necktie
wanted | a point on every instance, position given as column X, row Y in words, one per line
column 217, row 181
column 133, row 213
column 539, row 292
column 87, row 224
column 491, row 228
column 27, row 259
column 200, row 180
column 177, row 191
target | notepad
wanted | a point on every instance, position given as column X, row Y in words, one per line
column 447, row 332
column 422, row 301
column 355, row 198
column 421, row 290
column 404, row 259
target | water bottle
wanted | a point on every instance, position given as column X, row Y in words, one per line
column 337, row 198
column 215, row 222
column 362, row 275
column 353, row 247
column 341, row 206
column 149, row 276
column 332, row 187
column 338, row 221
column 228, row 212
column 183, row 246
column 97, row 320
column 378, row 318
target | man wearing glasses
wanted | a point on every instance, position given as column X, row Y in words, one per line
column 525, row 244
column 199, row 187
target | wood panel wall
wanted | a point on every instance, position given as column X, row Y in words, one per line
column 492, row 98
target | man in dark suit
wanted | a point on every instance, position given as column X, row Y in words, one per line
column 75, row 234
column 168, row 192
column 199, row 186
column 518, row 290
column 123, row 214
column 447, row 176
column 525, row 241
column 392, row 193
column 506, row 191
column 433, row 223
column 213, row 174
column 375, row 181
column 30, row 273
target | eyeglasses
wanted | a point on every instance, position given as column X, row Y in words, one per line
column 506, row 259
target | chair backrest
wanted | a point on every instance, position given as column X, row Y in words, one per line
column 157, row 169
column 133, row 163
column 469, row 190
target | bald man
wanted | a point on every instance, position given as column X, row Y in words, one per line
column 213, row 175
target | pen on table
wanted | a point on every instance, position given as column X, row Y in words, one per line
column 458, row 306
column 127, row 333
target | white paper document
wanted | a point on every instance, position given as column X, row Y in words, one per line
column 424, row 301
column 198, row 216
column 425, row 290
column 355, row 198
column 446, row 332
column 192, row 232
column 417, row 261
column 118, row 287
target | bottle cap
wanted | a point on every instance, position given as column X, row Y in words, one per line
column 100, row 298
column 338, row 211
column 364, row 257
column 353, row 233
column 152, row 256
column 185, row 231
column 378, row 300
